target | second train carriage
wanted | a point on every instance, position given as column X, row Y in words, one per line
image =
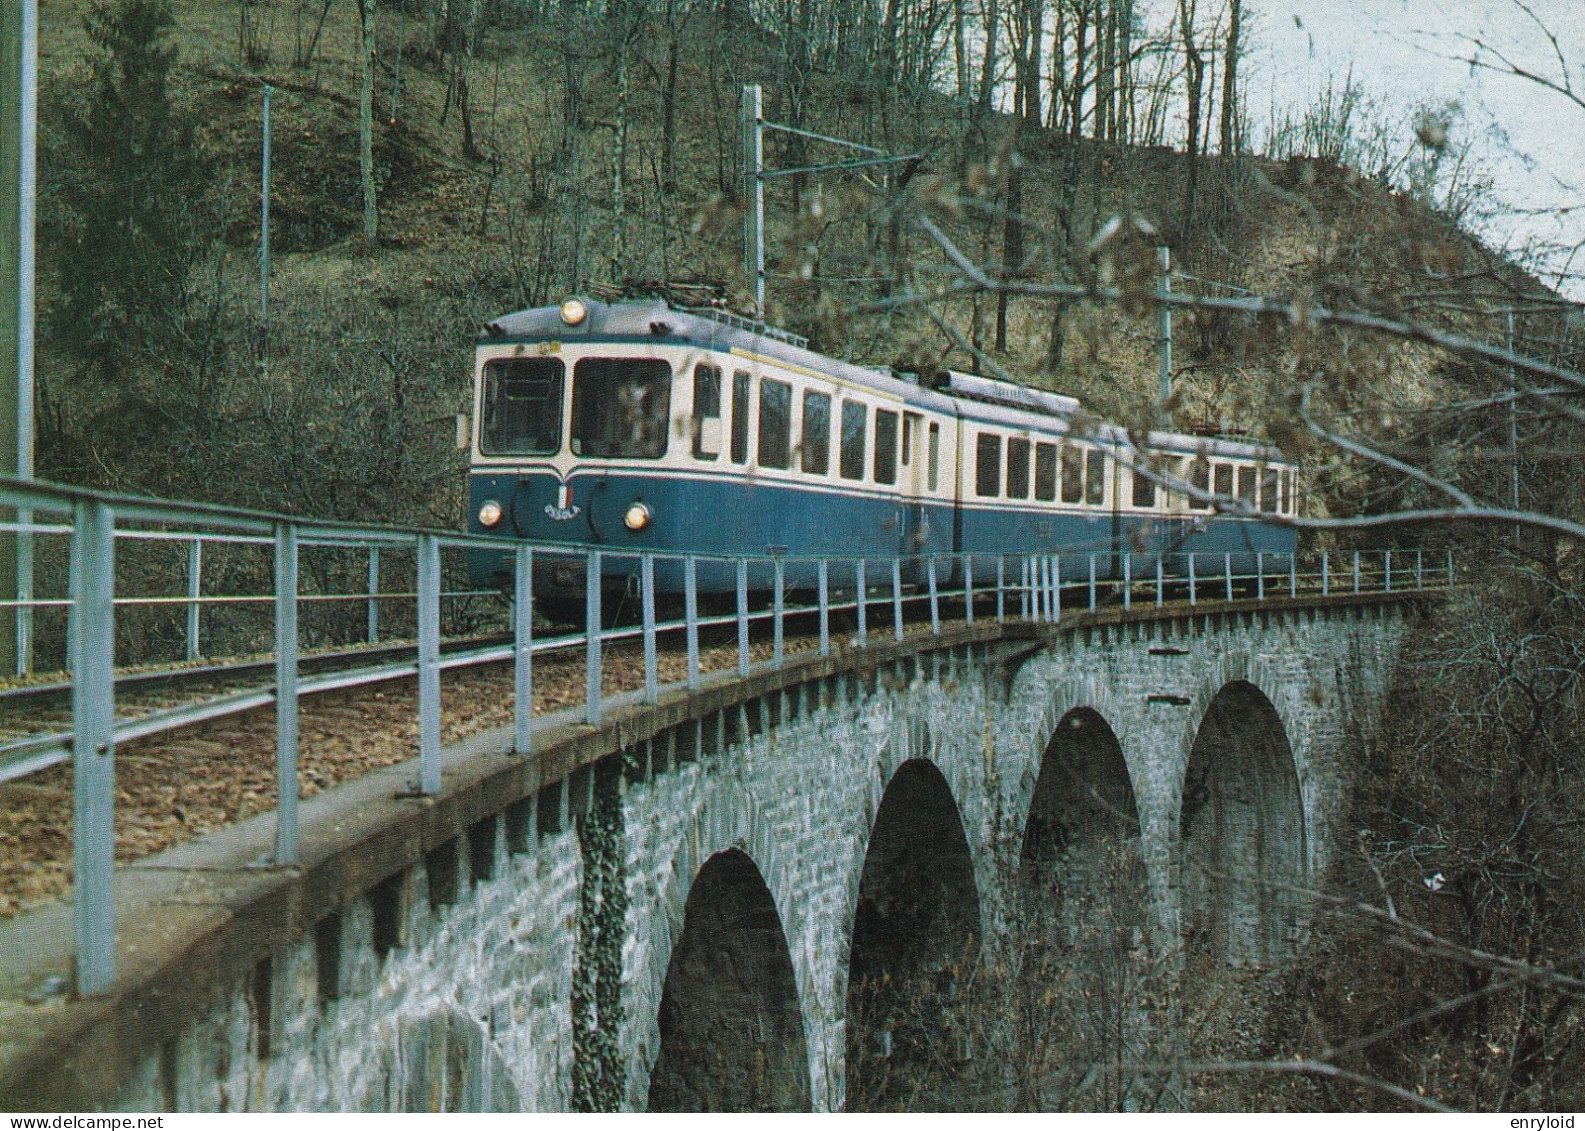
column 637, row 426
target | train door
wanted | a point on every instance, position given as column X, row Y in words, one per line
column 913, row 482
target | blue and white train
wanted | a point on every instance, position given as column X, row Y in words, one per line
column 639, row 426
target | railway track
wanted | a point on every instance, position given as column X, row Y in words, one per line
column 214, row 767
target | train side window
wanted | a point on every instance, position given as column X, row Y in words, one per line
column 934, row 468
column 815, row 447
column 885, row 446
column 775, row 424
column 1293, row 492
column 740, row 391
column 1224, row 479
column 1017, row 469
column 1246, row 485
column 1095, row 478
column 855, row 417
column 522, row 407
column 1046, row 472
column 1200, row 478
column 988, row 465
column 1072, row 475
column 706, row 411
column 621, row 407
column 1268, row 490
column 1144, row 495
column 910, row 422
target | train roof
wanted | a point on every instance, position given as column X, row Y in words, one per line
column 657, row 321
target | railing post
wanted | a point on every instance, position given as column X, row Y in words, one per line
column 825, row 607
column 93, row 746
column 1001, row 589
column 286, row 693
column 195, row 573
column 1419, row 569
column 1227, row 575
column 646, row 587
column 1128, row 579
column 1293, row 573
column 374, row 595
column 523, row 654
column 742, row 616
column 690, row 615
column 935, row 608
column 776, row 615
column 1326, row 576
column 1047, row 603
column 1056, row 589
column 1092, row 581
column 1450, row 568
column 1386, row 568
column 428, row 664
column 1025, row 586
column 591, row 637
column 1260, row 575
column 24, row 610
column 968, row 588
column 861, row 593
column 1160, row 581
column 1356, row 571
column 1191, row 578
column 897, row 598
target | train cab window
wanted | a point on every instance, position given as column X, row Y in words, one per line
column 1224, row 480
column 775, row 424
column 620, row 407
column 1017, row 469
column 815, row 447
column 1046, row 472
column 885, row 446
column 1072, row 475
column 1246, row 485
column 521, row 414
column 1268, row 490
column 933, row 470
column 855, row 418
column 988, row 465
column 1095, row 478
column 741, row 383
column 1144, row 496
column 706, row 411
column 1200, row 479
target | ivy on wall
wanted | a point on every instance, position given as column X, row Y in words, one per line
column 597, row 1077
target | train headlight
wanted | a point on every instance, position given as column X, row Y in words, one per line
column 489, row 513
column 637, row 517
column 573, row 311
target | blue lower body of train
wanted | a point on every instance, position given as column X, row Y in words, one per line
column 718, row 519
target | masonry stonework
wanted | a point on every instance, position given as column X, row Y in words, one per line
column 449, row 987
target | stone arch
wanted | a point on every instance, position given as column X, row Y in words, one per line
column 729, row 820
column 1241, row 831
column 1081, row 841
column 916, row 929
column 1082, row 910
column 731, row 1029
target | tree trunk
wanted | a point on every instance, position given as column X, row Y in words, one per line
column 1105, row 73
column 371, row 216
column 960, row 50
column 1080, row 62
column 1229, row 139
column 618, row 167
column 993, row 21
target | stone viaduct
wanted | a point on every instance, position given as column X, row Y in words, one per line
column 677, row 909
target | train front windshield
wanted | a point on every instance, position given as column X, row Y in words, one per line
column 620, row 408
column 522, row 407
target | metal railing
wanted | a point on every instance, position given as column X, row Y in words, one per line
column 815, row 591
